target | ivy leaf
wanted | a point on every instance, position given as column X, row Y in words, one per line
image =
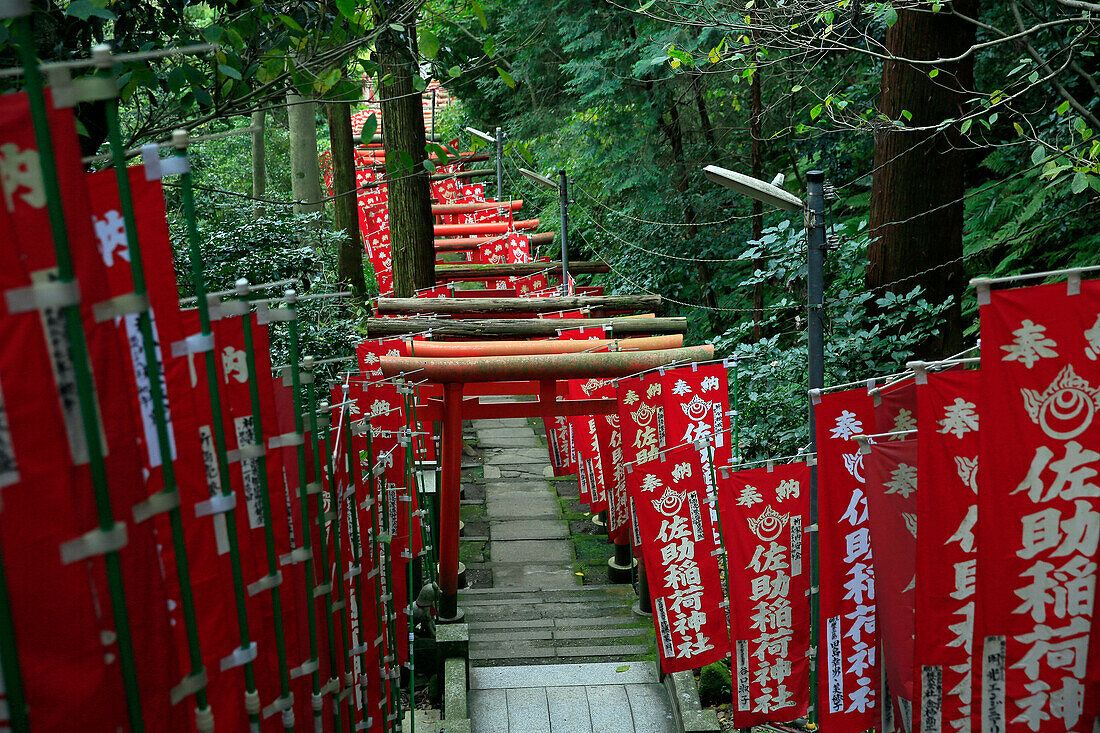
column 347, row 8
column 428, row 42
column 646, row 6
column 290, row 23
column 1080, row 182
column 815, row 112
column 891, row 16
column 229, row 71
column 370, row 126
column 1038, row 155
column 84, row 9
column 506, row 77
column 966, row 125
column 480, row 13
column 454, row 71
column 1063, row 108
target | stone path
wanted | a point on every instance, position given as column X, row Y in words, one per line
column 569, row 698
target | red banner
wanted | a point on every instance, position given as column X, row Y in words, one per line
column 642, row 421
column 892, row 508
column 684, row 580
column 947, row 512
column 848, row 669
column 587, row 449
column 764, row 516
column 1037, row 500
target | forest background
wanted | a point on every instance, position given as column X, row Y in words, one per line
column 957, row 138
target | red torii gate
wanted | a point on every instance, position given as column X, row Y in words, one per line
column 537, row 374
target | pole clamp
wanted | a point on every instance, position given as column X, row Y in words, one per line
column 40, row 296
column 128, row 304
column 157, row 167
column 220, row 504
column 160, row 502
column 240, row 657
column 195, row 344
column 313, row 487
column 281, row 705
column 266, row 314
column 245, row 453
column 307, row 667
column 67, row 93
column 354, row 571
column 295, row 556
column 322, row 590
column 95, row 542
column 190, row 684
column 331, row 686
column 219, row 309
column 339, row 605
column 359, row 649
column 266, row 583
column 286, row 440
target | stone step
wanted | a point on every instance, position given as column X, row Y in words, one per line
column 564, row 675
column 614, row 621
column 608, row 589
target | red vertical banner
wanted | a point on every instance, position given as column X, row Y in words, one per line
column 684, row 579
column 947, row 512
column 846, row 577
column 587, row 449
column 642, row 421
column 1037, row 504
column 892, row 508
column 697, row 410
column 764, row 514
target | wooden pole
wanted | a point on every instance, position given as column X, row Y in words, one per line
column 471, row 271
column 517, row 328
column 467, row 306
column 472, row 206
column 483, row 228
column 463, row 243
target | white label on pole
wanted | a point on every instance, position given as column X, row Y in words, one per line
column 250, row 473
column 834, row 664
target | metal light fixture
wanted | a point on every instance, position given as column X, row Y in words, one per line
column 537, row 178
column 754, row 188
column 481, row 135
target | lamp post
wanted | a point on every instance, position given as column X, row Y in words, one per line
column 563, row 203
column 498, row 141
column 814, row 212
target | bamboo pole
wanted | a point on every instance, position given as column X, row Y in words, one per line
column 517, row 328
column 81, row 364
column 458, row 244
column 285, row 700
column 154, row 375
column 494, row 306
column 247, row 650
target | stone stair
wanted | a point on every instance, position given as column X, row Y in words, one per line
column 592, row 623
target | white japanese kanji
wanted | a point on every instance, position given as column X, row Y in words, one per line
column 234, row 364
column 370, row 358
column 1066, row 408
column 681, row 388
column 630, row 397
column 650, row 482
column 709, row 383
column 1092, row 336
column 1072, row 475
column 903, row 480
column 653, row 390
column 910, row 522
column 787, row 490
column 967, row 469
column 959, row 418
column 1030, row 345
column 379, row 407
column 749, row 496
column 681, row 471
column 110, row 232
column 903, row 421
column 20, row 173
column 853, row 463
column 847, row 425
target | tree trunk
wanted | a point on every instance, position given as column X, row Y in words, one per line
column 259, row 163
column 675, row 134
column 916, row 211
column 305, row 170
column 704, row 115
column 410, row 203
column 756, row 132
column 349, row 259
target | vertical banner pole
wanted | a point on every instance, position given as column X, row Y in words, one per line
column 427, row 536
column 82, row 372
column 815, row 291
column 500, row 165
column 563, row 205
column 303, row 500
column 265, row 501
column 9, row 663
column 217, row 429
column 154, row 377
column 322, row 541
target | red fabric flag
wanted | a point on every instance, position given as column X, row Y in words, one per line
column 642, row 420
column 684, row 580
column 895, row 407
column 947, row 512
column 849, row 673
column 892, row 510
column 697, row 407
column 519, row 248
column 1037, row 504
column 764, row 515
column 587, row 449
column 42, row 616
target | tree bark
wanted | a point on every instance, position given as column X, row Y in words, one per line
column 513, row 328
column 465, row 306
column 916, row 208
column 259, row 163
column 349, row 258
column 305, row 169
column 410, row 201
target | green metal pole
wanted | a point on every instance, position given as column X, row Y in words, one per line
column 265, row 502
column 374, row 545
column 427, row 536
column 303, row 499
column 217, row 429
column 318, row 489
column 154, row 375
column 82, row 373
column 10, row 674
column 341, row 602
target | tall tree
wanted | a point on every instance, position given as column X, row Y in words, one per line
column 349, row 260
column 403, row 139
column 916, row 216
column 305, row 172
column 259, row 163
